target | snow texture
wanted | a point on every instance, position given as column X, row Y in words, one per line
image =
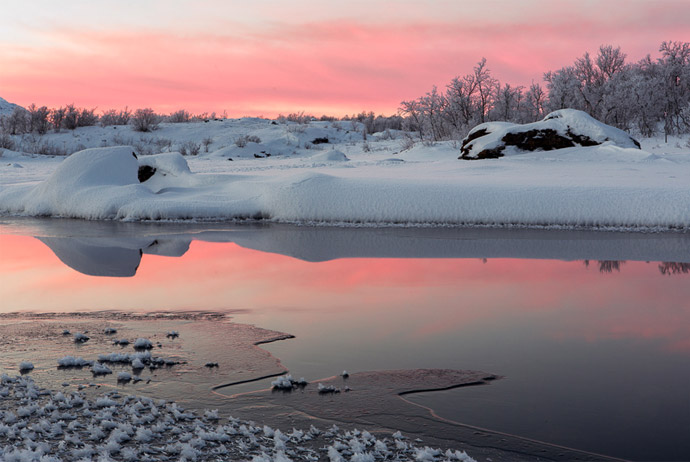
column 612, row 185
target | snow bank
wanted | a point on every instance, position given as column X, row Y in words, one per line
column 597, row 186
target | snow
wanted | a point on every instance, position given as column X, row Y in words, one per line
column 563, row 122
column 286, row 382
column 614, row 185
column 6, row 108
column 80, row 338
column 71, row 361
column 26, row 366
column 143, row 344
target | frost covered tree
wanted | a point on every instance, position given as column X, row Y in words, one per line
column 675, row 75
column 38, row 119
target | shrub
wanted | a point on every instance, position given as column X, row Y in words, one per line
column 18, row 122
column 407, row 142
column 87, row 118
column 144, row 120
column 70, row 119
column 190, row 148
column 163, row 143
column 179, row 117
column 242, row 141
column 6, row 142
column 208, row 141
column 114, row 117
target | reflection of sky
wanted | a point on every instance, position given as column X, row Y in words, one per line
column 413, row 298
column 592, row 360
column 272, row 56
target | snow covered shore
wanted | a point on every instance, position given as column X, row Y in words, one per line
column 40, row 425
column 347, row 182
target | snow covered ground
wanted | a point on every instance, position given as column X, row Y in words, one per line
column 257, row 168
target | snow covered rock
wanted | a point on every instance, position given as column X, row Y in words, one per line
column 171, row 163
column 561, row 129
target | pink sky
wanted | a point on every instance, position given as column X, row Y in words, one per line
column 277, row 57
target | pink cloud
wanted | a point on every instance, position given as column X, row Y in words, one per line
column 335, row 66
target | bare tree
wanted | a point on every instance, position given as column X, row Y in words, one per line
column 144, row 120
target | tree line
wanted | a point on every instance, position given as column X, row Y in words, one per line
column 648, row 97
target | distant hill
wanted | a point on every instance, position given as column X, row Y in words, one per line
column 6, row 108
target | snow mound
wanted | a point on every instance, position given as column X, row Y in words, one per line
column 333, row 155
column 561, row 129
column 93, row 183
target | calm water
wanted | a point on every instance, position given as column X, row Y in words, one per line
column 591, row 330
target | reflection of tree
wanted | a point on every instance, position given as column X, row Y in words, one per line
column 669, row 267
column 609, row 266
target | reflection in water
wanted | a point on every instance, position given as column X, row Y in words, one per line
column 607, row 266
column 115, row 249
column 674, row 268
column 583, row 355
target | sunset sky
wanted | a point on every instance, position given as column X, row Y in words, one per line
column 276, row 56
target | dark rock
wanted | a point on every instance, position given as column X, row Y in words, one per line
column 145, row 172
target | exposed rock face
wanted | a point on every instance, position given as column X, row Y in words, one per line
column 566, row 128
column 145, row 172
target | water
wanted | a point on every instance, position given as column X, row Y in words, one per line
column 589, row 330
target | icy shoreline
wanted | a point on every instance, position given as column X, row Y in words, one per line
column 46, row 426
